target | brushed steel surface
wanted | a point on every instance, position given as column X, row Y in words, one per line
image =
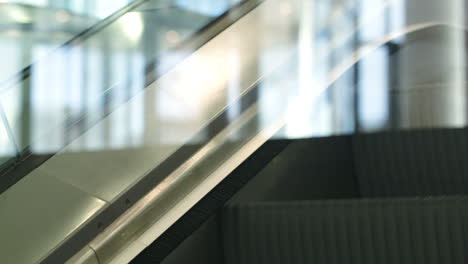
column 37, row 214
column 84, row 256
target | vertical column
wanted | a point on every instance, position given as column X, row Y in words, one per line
column 431, row 90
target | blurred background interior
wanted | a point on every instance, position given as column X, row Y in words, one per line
column 73, row 81
column 98, row 96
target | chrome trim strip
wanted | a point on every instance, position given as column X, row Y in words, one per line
column 121, row 204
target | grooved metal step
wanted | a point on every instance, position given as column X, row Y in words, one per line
column 412, row 163
column 384, row 231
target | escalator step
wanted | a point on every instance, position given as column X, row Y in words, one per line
column 412, row 163
column 384, row 231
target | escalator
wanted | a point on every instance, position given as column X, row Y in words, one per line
column 65, row 135
column 401, row 199
column 370, row 197
column 241, row 132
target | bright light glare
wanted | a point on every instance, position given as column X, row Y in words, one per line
column 132, row 25
column 19, row 15
column 286, row 9
column 200, row 81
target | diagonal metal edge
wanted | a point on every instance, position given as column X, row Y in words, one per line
column 108, row 215
column 28, row 162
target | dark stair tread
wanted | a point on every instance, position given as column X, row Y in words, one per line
column 412, row 163
column 413, row 230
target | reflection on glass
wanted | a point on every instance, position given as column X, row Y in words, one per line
column 353, row 65
column 73, row 87
column 48, row 24
column 206, row 7
column 99, row 9
column 7, row 145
